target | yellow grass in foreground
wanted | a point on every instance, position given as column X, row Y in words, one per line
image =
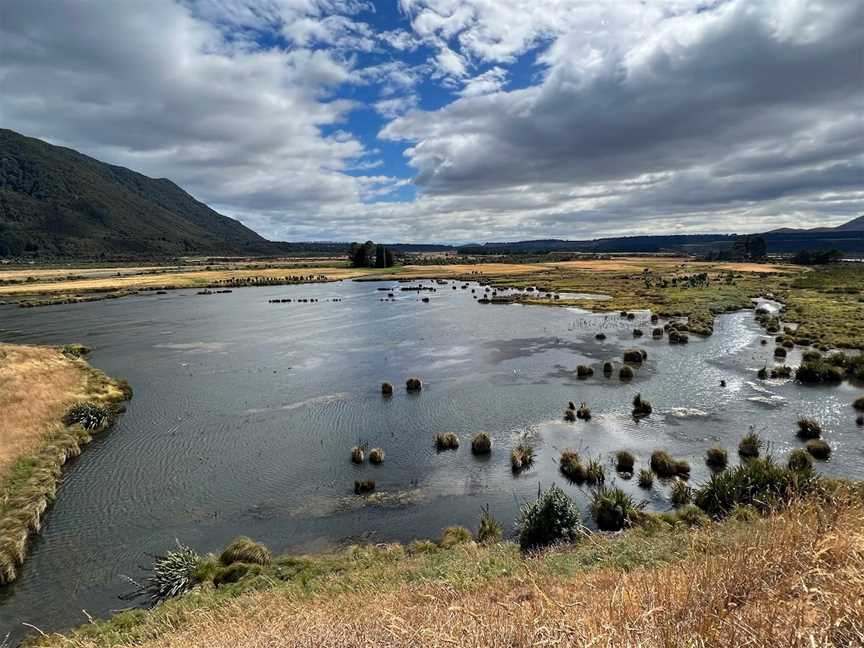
column 794, row 580
column 37, row 385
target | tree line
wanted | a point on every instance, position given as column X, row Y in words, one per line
column 370, row 255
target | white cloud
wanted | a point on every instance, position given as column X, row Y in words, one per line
column 490, row 81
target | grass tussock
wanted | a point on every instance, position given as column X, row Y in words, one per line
column 455, row 535
column 680, row 493
column 665, row 466
column 446, row 441
column 800, row 460
column 245, row 550
column 858, row 403
column 750, row 446
column 570, row 465
column 613, row 510
column 376, row 456
column 626, row 373
column 481, row 443
column 386, row 389
column 818, row 449
column 809, row 428
column 413, row 385
column 646, row 478
column 364, row 486
column 584, row 412
column 522, row 454
column 624, row 461
column 53, row 402
column 490, row 530
column 641, row 407
column 716, row 458
column 358, row 454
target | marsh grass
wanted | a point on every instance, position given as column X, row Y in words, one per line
column 750, row 446
column 522, row 454
column 595, row 474
column 386, row 389
column 809, row 428
column 799, row 460
column 664, row 466
column 646, row 478
column 624, row 461
column 626, row 373
column 818, row 449
column 245, row 550
column 613, row 510
column 716, row 458
column 490, row 530
column 584, row 371
column 446, row 441
column 481, row 443
column 455, row 535
column 364, row 486
column 584, row 412
column 680, row 493
column 635, row 356
column 570, row 465
column 569, row 415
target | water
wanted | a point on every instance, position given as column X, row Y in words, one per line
column 245, row 413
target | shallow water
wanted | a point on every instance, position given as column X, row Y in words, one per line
column 245, row 412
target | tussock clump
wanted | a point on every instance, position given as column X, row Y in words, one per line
column 446, row 441
column 364, row 486
column 584, row 371
column 595, row 474
column 637, row 332
column 584, row 412
column 608, row 368
column 358, row 454
column 413, row 384
column 624, row 461
column 552, row 518
column 376, row 456
column 818, row 448
column 819, row 372
column 858, row 403
column 522, row 454
column 646, row 478
column 626, row 373
column 571, row 405
column 641, row 407
column 811, row 356
column 716, row 458
column 570, row 465
column 657, row 333
column 569, row 415
column 455, row 535
column 490, row 530
column 783, row 371
column 386, row 389
column 612, row 509
column 243, row 549
column 762, row 374
column 665, row 466
column 636, row 356
column 681, row 493
column 859, row 421
column 481, row 443
column 809, row 428
column 600, row 336
column 780, row 352
column 799, row 460
column 750, row 445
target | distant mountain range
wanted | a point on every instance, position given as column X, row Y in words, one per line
column 57, row 202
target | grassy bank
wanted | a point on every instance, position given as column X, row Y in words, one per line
column 53, row 402
column 794, row 579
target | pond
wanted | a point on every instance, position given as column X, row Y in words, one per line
column 245, row 412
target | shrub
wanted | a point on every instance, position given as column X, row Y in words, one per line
column 646, row 478
column 481, row 443
column 386, row 389
column 750, row 446
column 584, row 412
column 413, row 384
column 553, row 517
column 583, row 371
column 635, row 356
column 90, row 416
column 522, row 454
column 626, row 373
column 446, row 441
column 612, row 509
column 858, row 403
column 624, row 461
column 455, row 535
column 716, row 458
column 799, row 460
column 376, row 456
column 641, row 407
column 818, row 448
column 681, row 493
column 490, row 529
column 246, row 550
column 364, row 486
column 759, row 483
column 809, row 428
column 571, row 466
column 594, row 472
column 171, row 575
column 818, row 372
column 358, row 454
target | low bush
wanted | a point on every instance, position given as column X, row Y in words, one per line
column 818, row 448
column 455, row 535
column 624, row 461
column 553, row 517
column 759, row 483
column 481, row 443
column 245, row 550
column 376, row 456
column 490, row 530
column 646, row 478
column 570, row 465
column 716, row 458
column 799, row 460
column 681, row 493
column 612, row 509
column 750, row 445
column 809, row 428
column 446, row 441
column 641, row 407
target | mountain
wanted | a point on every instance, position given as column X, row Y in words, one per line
column 56, row 201
column 855, row 225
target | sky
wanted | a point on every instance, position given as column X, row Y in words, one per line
column 458, row 120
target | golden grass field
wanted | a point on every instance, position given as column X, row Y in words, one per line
column 795, row 580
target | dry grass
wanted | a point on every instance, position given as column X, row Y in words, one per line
column 793, row 580
column 39, row 384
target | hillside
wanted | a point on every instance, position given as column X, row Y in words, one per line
column 56, row 201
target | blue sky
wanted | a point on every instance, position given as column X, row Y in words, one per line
column 459, row 120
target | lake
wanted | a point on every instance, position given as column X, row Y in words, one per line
column 245, row 413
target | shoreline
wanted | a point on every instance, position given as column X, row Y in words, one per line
column 29, row 484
